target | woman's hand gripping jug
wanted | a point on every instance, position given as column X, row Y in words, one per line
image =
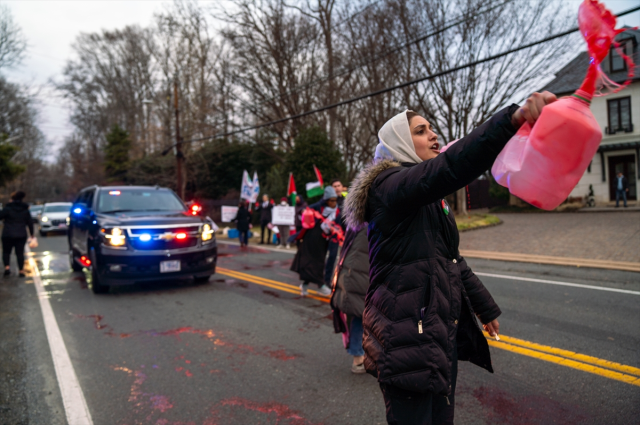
column 542, row 164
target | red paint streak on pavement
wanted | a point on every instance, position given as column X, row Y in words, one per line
column 502, row 407
column 97, row 323
column 283, row 413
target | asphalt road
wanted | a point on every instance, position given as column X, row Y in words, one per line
column 244, row 350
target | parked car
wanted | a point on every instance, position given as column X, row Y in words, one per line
column 53, row 217
column 130, row 234
column 35, row 211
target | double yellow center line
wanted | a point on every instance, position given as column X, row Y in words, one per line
column 605, row 368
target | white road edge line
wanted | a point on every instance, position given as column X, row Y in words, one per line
column 554, row 282
column 75, row 405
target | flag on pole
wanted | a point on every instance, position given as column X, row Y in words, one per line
column 246, row 187
column 255, row 188
column 318, row 175
column 291, row 190
column 315, row 188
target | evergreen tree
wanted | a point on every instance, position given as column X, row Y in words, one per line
column 8, row 170
column 116, row 160
column 313, row 147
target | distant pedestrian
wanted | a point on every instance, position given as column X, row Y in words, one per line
column 243, row 220
column 14, row 234
column 264, row 208
column 349, row 289
column 333, row 245
column 622, row 187
column 310, row 258
column 283, row 230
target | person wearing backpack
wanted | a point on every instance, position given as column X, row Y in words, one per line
column 314, row 238
column 16, row 219
column 350, row 283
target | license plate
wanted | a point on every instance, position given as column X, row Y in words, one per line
column 62, row 225
column 169, row 266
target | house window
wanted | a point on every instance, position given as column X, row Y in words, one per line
column 616, row 62
column 619, row 115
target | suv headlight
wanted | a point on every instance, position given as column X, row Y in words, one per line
column 207, row 233
column 113, row 237
column 44, row 219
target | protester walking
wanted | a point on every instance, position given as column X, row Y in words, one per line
column 300, row 206
column 622, row 187
column 351, row 281
column 310, row 258
column 264, row 208
column 283, row 230
column 16, row 219
column 333, row 244
column 243, row 220
column 419, row 316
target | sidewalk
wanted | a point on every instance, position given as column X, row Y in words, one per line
column 605, row 236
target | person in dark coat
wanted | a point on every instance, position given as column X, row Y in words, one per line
column 333, row 245
column 14, row 234
column 622, row 187
column 264, row 209
column 312, row 250
column 351, row 280
column 243, row 220
column 421, row 304
column 300, row 206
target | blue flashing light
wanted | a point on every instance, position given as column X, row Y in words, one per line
column 77, row 210
column 145, row 237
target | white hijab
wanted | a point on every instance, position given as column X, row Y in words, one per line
column 395, row 141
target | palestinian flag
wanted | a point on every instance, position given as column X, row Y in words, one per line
column 315, row 188
column 291, row 190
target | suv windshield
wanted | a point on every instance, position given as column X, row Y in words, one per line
column 57, row 208
column 121, row 200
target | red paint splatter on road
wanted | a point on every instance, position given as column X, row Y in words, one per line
column 188, row 373
column 282, row 412
column 503, row 407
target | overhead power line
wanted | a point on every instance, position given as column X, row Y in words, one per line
column 393, row 88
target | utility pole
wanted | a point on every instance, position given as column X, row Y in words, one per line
column 179, row 156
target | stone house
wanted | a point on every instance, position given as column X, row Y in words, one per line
column 619, row 118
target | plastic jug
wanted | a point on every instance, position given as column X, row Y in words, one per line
column 542, row 165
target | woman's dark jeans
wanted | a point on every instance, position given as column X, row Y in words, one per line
column 243, row 236
column 8, row 244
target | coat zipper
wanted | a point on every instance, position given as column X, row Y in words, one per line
column 422, row 311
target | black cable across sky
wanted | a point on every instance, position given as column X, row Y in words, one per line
column 393, row 88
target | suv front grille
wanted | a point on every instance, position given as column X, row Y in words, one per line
column 163, row 238
column 58, row 222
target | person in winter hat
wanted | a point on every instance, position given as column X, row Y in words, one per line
column 330, row 193
column 264, row 209
column 17, row 220
column 420, row 310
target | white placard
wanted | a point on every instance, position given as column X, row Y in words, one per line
column 283, row 216
column 228, row 213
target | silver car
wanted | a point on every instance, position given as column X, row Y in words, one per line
column 53, row 217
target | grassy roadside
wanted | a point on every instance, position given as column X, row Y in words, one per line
column 476, row 221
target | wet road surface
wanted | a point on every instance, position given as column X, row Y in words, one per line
column 242, row 349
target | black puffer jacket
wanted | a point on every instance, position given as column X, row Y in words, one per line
column 422, row 296
column 16, row 220
column 353, row 273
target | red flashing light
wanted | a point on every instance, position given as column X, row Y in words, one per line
column 181, row 236
column 85, row 261
column 195, row 209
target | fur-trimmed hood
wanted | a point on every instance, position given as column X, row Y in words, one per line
column 355, row 206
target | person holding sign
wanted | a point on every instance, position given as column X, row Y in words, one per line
column 243, row 220
column 283, row 217
column 422, row 299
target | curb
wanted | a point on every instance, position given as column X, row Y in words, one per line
column 519, row 258
column 482, row 227
column 559, row 261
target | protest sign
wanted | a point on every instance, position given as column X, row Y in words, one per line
column 283, row 215
column 228, row 213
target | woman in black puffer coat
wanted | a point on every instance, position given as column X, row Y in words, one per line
column 16, row 219
column 420, row 308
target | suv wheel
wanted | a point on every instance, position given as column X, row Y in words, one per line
column 96, row 285
column 73, row 263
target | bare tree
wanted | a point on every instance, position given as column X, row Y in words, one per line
column 12, row 41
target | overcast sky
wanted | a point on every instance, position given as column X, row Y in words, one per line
column 51, row 27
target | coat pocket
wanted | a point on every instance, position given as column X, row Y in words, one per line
column 427, row 304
